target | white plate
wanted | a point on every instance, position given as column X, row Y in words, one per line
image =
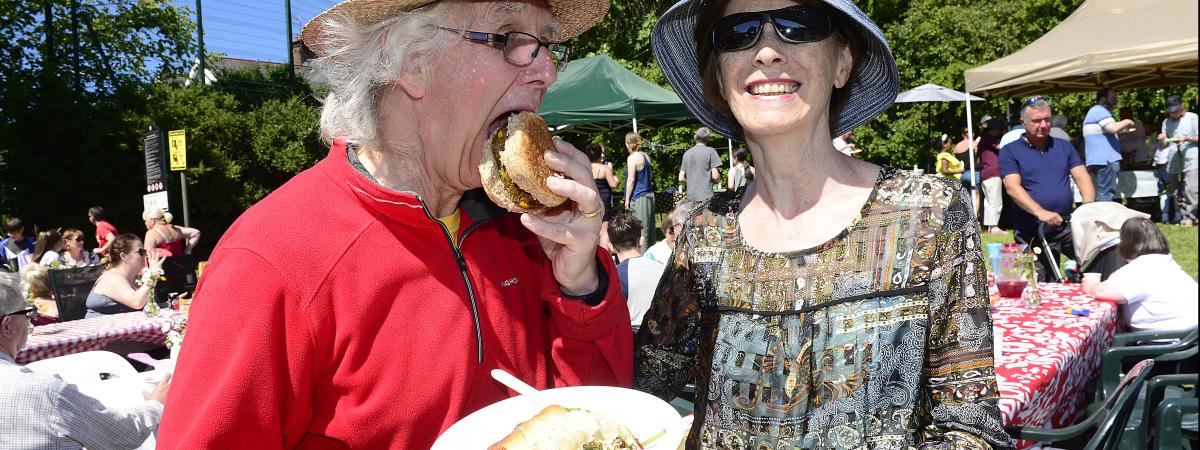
column 644, row 414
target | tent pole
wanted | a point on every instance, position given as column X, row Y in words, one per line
column 929, row 131
column 635, row 125
column 971, row 144
column 730, row 153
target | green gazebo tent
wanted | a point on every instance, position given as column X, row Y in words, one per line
column 596, row 94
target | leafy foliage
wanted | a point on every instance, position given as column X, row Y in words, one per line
column 73, row 107
column 933, row 41
column 77, row 91
column 73, row 70
column 242, row 144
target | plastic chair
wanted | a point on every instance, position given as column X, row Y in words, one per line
column 1112, row 360
column 85, row 367
column 1109, row 421
column 1138, row 427
column 1165, row 403
column 1136, row 337
column 1169, row 416
column 180, row 272
column 70, row 288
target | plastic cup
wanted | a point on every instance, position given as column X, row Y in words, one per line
column 993, row 250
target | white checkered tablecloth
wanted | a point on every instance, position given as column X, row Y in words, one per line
column 77, row 336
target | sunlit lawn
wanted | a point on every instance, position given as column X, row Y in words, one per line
column 1183, row 245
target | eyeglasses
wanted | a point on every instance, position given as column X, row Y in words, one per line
column 794, row 25
column 519, row 48
column 31, row 313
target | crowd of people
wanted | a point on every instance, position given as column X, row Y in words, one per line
column 1106, row 147
column 776, row 298
column 131, row 264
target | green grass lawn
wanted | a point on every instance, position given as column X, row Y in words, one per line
column 1183, row 245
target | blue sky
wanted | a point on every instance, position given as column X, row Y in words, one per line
column 252, row 29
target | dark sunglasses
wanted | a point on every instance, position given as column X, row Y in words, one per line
column 31, row 313
column 794, row 25
column 1035, row 99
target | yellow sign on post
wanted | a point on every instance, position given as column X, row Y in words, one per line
column 177, row 143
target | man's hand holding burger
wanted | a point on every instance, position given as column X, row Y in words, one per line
column 550, row 183
column 568, row 235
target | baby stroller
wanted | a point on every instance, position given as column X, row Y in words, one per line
column 1095, row 233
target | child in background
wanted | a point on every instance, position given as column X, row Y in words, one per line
column 948, row 165
column 1159, row 294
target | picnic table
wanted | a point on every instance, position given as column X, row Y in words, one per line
column 65, row 338
column 1047, row 356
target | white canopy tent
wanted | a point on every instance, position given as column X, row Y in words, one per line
column 1104, row 43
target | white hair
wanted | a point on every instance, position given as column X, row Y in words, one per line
column 1039, row 104
column 359, row 61
column 11, row 299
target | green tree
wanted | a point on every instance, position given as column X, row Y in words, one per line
column 242, row 143
column 935, row 41
column 73, row 69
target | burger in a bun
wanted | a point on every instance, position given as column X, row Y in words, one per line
column 514, row 169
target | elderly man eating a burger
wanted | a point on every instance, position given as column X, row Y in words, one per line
column 383, row 336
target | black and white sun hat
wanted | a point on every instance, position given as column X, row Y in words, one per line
column 870, row 90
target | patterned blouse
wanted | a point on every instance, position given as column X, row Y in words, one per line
column 880, row 338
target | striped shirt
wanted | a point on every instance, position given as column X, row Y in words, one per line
column 1101, row 147
column 41, row 411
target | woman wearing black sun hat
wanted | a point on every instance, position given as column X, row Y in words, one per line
column 829, row 303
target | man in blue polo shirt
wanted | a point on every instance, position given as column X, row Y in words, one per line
column 1101, row 144
column 1035, row 169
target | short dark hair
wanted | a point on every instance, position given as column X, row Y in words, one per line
column 1140, row 237
column 624, row 231
column 14, row 225
column 740, row 155
column 97, row 212
column 594, row 152
column 1103, row 92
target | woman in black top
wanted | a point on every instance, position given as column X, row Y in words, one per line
column 605, row 182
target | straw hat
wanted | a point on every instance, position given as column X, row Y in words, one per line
column 574, row 16
column 871, row 89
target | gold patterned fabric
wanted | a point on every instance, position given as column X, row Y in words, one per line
column 880, row 338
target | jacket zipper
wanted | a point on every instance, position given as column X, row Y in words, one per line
column 462, row 267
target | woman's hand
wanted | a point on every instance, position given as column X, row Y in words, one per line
column 154, row 260
column 570, row 233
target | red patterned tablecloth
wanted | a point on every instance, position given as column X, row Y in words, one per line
column 1047, row 355
column 77, row 336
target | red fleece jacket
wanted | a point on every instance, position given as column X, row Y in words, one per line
column 334, row 314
